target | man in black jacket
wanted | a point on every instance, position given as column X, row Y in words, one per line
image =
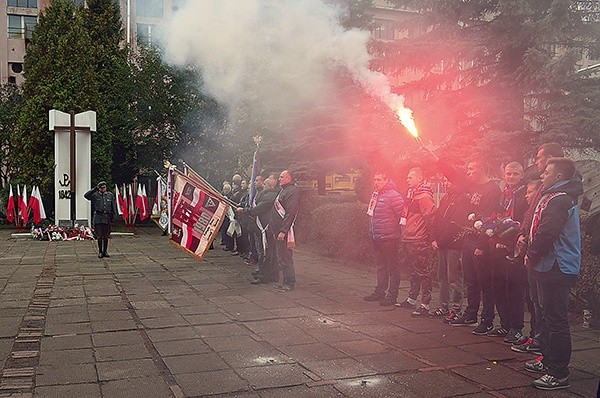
column 104, row 208
column 554, row 257
column 448, row 224
column 259, row 214
column 281, row 222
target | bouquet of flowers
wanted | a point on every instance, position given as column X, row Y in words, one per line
column 502, row 228
column 55, row 233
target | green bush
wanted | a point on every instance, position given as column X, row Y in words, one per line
column 338, row 230
column 587, row 291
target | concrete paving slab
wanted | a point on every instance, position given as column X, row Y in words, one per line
column 117, row 338
column 390, row 362
column 66, row 342
column 373, row 386
column 312, row 352
column 87, row 390
column 68, row 328
column 195, row 363
column 360, row 347
column 74, row 356
column 434, row 384
column 327, row 391
column 207, row 383
column 159, row 323
column 147, row 387
column 491, row 349
column 113, row 325
column 221, row 330
column 289, row 337
column 494, row 375
column 262, row 354
column 170, row 334
column 66, row 374
column 447, row 356
column 182, row 347
column 340, row 368
column 121, row 352
column 130, row 369
column 233, row 343
column 274, row 376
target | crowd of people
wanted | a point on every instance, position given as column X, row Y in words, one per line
column 260, row 228
column 533, row 263
column 503, row 245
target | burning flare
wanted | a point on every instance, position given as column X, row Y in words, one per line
column 407, row 120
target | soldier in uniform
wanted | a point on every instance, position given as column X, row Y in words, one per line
column 104, row 208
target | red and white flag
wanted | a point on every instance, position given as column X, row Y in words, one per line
column 41, row 204
column 23, row 206
column 130, row 204
column 119, row 211
column 10, row 206
column 34, row 205
column 140, row 205
column 146, row 202
column 122, row 200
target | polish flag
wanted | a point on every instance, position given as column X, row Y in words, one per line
column 139, row 202
column 122, row 200
column 130, row 204
column 146, row 202
column 119, row 211
column 34, row 205
column 10, row 206
column 23, row 206
column 41, row 204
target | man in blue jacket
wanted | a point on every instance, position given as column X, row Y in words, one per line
column 554, row 255
column 385, row 210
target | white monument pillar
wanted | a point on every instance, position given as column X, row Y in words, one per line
column 64, row 127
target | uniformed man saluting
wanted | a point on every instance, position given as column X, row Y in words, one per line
column 104, row 208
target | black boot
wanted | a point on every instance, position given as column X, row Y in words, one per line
column 100, row 251
column 105, row 248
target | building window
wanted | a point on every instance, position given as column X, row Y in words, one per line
column 22, row 3
column 21, row 26
column 150, row 8
column 148, row 35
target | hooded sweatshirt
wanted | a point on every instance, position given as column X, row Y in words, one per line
column 555, row 231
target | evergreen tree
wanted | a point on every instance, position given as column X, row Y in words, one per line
column 103, row 22
column 495, row 77
column 10, row 105
column 59, row 74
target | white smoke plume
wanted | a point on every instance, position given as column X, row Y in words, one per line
column 270, row 56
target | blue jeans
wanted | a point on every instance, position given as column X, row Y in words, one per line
column 388, row 269
column 537, row 320
column 556, row 337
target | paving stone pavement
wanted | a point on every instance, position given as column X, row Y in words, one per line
column 152, row 321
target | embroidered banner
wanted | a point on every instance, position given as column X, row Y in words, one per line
column 197, row 215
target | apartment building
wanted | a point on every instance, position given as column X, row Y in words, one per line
column 143, row 22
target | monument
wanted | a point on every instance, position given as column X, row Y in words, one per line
column 73, row 160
